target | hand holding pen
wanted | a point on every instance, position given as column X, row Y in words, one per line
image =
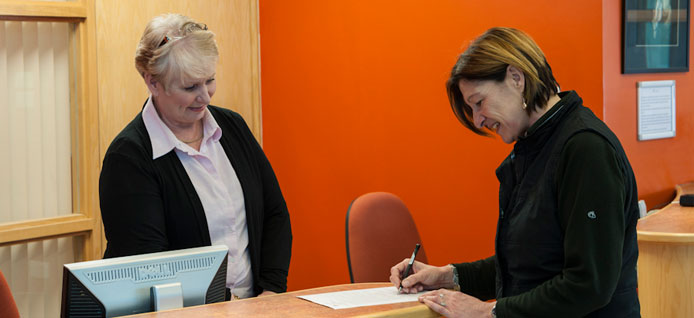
column 409, row 266
column 422, row 276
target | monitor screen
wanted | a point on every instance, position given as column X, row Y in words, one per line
column 124, row 285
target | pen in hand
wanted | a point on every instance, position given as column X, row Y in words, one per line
column 409, row 266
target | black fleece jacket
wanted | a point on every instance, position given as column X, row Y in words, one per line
column 566, row 240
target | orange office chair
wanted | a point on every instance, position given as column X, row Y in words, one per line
column 8, row 308
column 379, row 233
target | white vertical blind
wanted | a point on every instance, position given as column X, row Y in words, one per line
column 35, row 169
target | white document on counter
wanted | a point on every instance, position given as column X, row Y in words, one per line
column 361, row 297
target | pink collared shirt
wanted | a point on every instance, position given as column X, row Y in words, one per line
column 218, row 188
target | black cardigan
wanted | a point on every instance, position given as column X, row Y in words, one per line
column 151, row 205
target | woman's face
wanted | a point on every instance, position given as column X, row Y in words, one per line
column 184, row 103
column 498, row 106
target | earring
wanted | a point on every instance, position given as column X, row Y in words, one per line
column 524, row 104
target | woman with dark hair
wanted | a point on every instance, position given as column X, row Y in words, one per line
column 566, row 236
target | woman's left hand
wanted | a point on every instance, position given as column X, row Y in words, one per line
column 453, row 304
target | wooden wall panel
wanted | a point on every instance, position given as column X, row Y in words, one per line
column 122, row 92
column 89, row 160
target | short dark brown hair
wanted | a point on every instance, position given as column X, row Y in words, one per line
column 488, row 57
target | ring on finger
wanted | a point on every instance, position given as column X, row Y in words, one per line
column 442, row 302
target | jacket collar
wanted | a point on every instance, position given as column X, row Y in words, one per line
column 546, row 124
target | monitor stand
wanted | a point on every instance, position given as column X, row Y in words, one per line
column 167, row 296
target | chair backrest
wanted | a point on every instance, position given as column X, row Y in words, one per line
column 8, row 308
column 380, row 232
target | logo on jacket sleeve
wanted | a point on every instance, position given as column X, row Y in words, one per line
column 592, row 215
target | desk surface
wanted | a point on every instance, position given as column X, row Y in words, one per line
column 288, row 305
column 673, row 223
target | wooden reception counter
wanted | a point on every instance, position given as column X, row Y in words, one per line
column 287, row 305
column 666, row 259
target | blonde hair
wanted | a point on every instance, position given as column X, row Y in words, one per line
column 174, row 47
column 487, row 59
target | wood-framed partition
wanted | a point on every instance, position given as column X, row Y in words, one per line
column 85, row 217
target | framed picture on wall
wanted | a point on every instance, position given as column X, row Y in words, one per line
column 655, row 36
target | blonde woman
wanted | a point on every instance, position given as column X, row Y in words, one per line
column 184, row 173
column 566, row 235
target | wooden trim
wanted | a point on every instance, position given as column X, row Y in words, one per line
column 41, row 229
column 88, row 133
column 664, row 237
column 74, row 60
column 420, row 311
column 26, row 10
column 256, row 99
column 39, row 19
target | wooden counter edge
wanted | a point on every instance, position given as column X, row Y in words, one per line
column 665, row 237
column 662, row 237
column 680, row 189
column 419, row 311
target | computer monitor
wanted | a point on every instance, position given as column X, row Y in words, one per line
column 127, row 285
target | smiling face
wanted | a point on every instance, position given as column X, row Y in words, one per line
column 498, row 106
column 182, row 103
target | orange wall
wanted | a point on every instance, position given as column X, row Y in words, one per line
column 658, row 164
column 354, row 101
